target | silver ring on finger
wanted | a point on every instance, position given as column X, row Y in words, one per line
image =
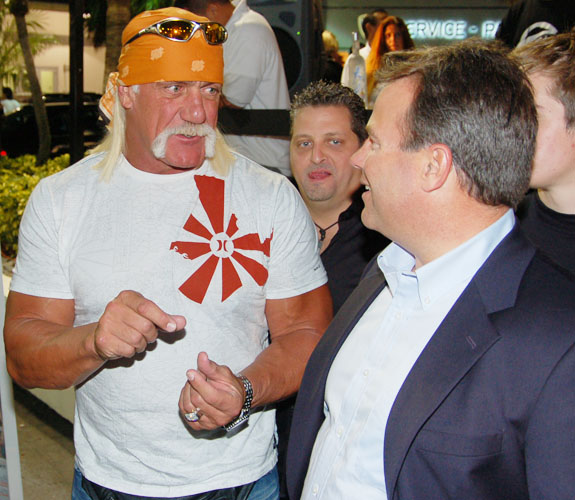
column 193, row 416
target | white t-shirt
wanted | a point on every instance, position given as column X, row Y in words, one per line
column 9, row 106
column 254, row 78
column 249, row 239
column 365, row 50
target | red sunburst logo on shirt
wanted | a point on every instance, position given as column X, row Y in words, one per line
column 221, row 244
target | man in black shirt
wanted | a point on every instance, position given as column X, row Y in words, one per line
column 328, row 126
column 548, row 213
column 528, row 20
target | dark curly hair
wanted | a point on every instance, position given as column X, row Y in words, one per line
column 321, row 93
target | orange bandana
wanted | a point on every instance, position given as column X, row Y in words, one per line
column 152, row 58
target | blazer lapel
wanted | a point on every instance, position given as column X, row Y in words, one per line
column 463, row 337
column 308, row 413
column 311, row 394
column 345, row 320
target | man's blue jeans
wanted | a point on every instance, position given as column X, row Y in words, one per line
column 267, row 487
column 78, row 492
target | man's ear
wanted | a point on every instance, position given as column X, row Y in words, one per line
column 212, row 12
column 126, row 96
column 439, row 166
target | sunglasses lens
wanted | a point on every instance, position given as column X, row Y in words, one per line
column 181, row 30
column 176, row 30
column 215, row 33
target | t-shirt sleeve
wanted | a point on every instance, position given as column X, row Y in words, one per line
column 246, row 61
column 38, row 269
column 295, row 265
column 507, row 31
column 240, row 89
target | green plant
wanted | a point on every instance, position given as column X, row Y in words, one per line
column 18, row 177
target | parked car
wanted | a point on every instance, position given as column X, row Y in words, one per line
column 58, row 97
column 19, row 134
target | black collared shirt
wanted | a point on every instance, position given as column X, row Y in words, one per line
column 349, row 251
column 552, row 232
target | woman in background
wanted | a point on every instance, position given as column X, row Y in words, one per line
column 391, row 35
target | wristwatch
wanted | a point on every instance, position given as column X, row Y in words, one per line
column 245, row 411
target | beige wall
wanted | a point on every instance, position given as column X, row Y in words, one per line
column 53, row 64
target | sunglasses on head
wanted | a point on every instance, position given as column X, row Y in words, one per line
column 182, row 30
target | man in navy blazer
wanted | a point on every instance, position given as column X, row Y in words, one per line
column 450, row 371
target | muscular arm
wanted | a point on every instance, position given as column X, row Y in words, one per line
column 44, row 349
column 296, row 325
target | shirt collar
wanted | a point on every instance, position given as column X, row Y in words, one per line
column 241, row 7
column 448, row 271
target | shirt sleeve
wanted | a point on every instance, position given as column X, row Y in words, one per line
column 295, row 265
column 246, row 58
column 240, row 89
column 38, row 269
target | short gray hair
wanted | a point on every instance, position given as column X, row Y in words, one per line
column 472, row 97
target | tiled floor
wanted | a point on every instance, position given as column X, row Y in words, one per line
column 46, row 449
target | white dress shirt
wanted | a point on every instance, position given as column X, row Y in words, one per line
column 254, row 78
column 365, row 50
column 372, row 365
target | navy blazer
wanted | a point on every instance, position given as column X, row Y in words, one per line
column 488, row 410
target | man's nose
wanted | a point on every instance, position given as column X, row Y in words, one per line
column 358, row 158
column 193, row 110
column 317, row 154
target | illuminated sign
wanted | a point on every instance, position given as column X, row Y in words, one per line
column 450, row 29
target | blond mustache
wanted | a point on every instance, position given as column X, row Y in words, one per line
column 192, row 130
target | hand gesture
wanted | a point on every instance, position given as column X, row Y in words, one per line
column 212, row 393
column 130, row 322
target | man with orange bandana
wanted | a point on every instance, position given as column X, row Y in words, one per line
column 148, row 276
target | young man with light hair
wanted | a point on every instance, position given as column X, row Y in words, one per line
column 548, row 213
